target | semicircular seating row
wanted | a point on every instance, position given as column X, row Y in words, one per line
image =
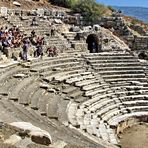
column 89, row 98
column 123, row 96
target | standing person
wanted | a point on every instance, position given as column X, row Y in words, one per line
column 25, row 50
column 39, row 51
column 53, row 30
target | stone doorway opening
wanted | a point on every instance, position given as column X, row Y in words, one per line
column 92, row 42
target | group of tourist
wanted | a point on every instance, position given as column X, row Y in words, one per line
column 14, row 38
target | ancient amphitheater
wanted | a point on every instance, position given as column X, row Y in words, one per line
column 76, row 99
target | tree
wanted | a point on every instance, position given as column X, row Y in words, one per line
column 89, row 9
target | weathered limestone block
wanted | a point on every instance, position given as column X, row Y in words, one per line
column 37, row 135
column 40, row 137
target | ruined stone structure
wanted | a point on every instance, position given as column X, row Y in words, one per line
column 77, row 98
column 135, row 36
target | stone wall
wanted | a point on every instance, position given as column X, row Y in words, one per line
column 130, row 122
column 138, row 29
column 118, row 26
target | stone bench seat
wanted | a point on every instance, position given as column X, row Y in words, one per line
column 96, row 91
column 65, row 77
column 138, row 108
column 69, row 90
column 103, row 132
column 121, row 94
column 120, row 72
column 117, row 119
column 9, row 73
column 25, row 98
column 8, row 85
column 124, row 76
column 120, row 64
column 4, row 69
column 107, row 108
column 136, row 103
column 76, row 94
column 94, row 85
column 129, row 87
column 65, row 72
column 62, row 111
column 94, row 123
column 115, row 112
column 126, row 79
column 100, row 104
column 49, row 67
column 79, row 116
column 77, row 68
column 113, row 61
column 46, row 60
column 81, row 99
column 37, row 95
column 79, row 78
column 134, row 97
column 108, row 54
column 117, row 68
column 95, row 99
column 71, row 112
column 15, row 93
column 88, row 82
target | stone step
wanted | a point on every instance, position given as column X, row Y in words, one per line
column 87, row 82
column 124, row 76
column 96, row 91
column 76, row 94
column 50, row 67
column 69, row 90
column 112, row 113
column 71, row 111
column 122, row 71
column 117, row 119
column 103, row 132
column 118, row 68
column 62, row 111
column 94, row 86
column 75, row 68
column 43, row 103
column 8, row 85
column 52, row 107
column 134, row 97
column 103, row 61
column 116, row 64
column 79, row 78
column 10, row 73
column 15, row 93
column 81, row 99
column 38, row 94
column 61, row 76
column 25, row 98
column 140, row 79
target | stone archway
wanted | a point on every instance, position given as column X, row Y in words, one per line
column 92, row 42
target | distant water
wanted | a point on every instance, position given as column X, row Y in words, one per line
column 137, row 12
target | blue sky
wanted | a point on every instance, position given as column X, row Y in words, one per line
column 143, row 3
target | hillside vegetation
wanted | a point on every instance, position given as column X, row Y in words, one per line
column 89, row 9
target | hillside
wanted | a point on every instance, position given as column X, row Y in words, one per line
column 28, row 4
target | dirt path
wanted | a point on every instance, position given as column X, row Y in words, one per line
column 135, row 137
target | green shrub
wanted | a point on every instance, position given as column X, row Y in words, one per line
column 89, row 9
